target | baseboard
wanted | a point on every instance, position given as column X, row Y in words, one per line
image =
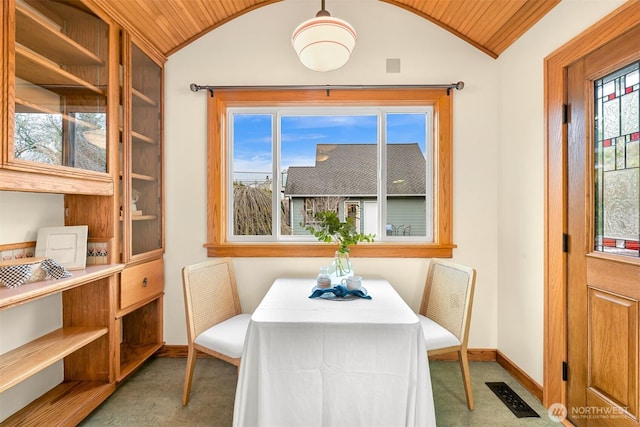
column 176, row 351
column 473, row 354
column 527, row 382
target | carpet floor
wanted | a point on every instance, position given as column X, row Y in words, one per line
column 152, row 396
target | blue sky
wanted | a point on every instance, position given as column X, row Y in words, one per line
column 300, row 135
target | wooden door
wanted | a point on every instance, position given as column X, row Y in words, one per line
column 603, row 221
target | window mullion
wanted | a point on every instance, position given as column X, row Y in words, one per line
column 228, row 180
column 276, row 179
column 430, row 168
column 382, row 175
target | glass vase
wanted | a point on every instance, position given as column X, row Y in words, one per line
column 340, row 268
column 324, row 279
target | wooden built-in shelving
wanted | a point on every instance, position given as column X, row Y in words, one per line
column 143, row 217
column 38, row 34
column 19, row 364
column 138, row 137
column 134, row 356
column 140, row 99
column 143, row 177
column 70, row 60
column 35, row 69
column 138, row 347
column 59, row 60
column 24, row 106
column 84, row 343
column 10, row 297
column 65, row 405
column 139, row 315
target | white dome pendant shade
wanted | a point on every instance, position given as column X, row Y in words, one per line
column 324, row 43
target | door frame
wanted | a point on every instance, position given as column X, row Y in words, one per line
column 611, row 26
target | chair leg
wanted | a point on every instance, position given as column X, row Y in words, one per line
column 466, row 376
column 188, row 376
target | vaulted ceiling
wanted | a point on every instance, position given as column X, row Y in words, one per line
column 489, row 25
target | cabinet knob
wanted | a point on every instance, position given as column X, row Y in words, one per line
column 145, row 282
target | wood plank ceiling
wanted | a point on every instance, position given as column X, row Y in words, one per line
column 489, row 25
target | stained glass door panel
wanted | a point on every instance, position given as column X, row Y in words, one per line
column 617, row 162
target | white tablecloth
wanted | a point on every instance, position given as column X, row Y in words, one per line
column 315, row 362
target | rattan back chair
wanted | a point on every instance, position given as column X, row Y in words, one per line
column 445, row 313
column 215, row 322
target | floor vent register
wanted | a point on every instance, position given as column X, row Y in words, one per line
column 510, row 398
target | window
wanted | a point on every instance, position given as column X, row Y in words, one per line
column 286, row 164
column 278, row 157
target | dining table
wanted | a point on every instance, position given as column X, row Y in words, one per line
column 333, row 361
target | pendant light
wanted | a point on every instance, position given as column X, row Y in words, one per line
column 324, row 43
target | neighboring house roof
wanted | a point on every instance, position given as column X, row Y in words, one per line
column 351, row 170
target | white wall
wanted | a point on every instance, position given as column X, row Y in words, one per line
column 21, row 214
column 521, row 166
column 255, row 49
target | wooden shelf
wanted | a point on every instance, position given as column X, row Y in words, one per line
column 65, row 405
column 131, row 357
column 141, row 307
column 24, row 106
column 19, row 364
column 37, row 70
column 140, row 99
column 10, row 297
column 142, row 177
column 142, row 217
column 136, row 136
column 38, row 34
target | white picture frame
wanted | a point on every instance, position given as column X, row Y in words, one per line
column 65, row 245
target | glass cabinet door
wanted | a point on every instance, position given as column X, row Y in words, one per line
column 142, row 158
column 60, row 89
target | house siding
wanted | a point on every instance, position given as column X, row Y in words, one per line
column 401, row 213
column 407, row 213
column 297, row 216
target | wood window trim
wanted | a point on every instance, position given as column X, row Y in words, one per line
column 613, row 25
column 442, row 102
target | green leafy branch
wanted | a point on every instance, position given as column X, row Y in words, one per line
column 331, row 229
